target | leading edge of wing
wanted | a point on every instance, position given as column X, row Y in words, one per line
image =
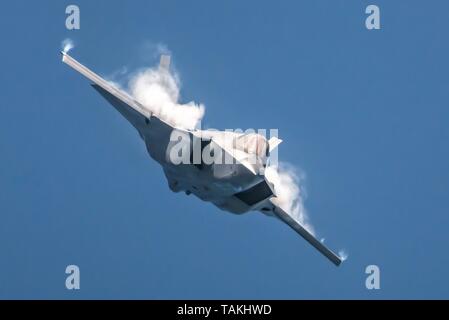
column 105, row 85
column 131, row 109
column 309, row 237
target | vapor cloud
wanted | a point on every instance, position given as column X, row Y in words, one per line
column 343, row 255
column 290, row 193
column 67, row 45
column 158, row 91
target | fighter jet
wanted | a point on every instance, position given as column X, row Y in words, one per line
column 236, row 186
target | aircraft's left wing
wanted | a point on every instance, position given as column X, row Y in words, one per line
column 132, row 110
column 303, row 232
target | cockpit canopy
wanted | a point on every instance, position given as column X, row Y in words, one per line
column 252, row 143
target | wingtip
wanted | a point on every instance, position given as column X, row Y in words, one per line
column 334, row 258
column 63, row 55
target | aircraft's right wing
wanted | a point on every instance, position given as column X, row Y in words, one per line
column 309, row 237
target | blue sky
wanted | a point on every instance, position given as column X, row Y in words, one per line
column 363, row 113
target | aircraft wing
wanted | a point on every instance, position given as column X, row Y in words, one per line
column 309, row 237
column 132, row 110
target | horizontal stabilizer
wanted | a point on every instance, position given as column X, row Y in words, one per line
column 273, row 143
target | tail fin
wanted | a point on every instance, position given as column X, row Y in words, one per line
column 164, row 63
